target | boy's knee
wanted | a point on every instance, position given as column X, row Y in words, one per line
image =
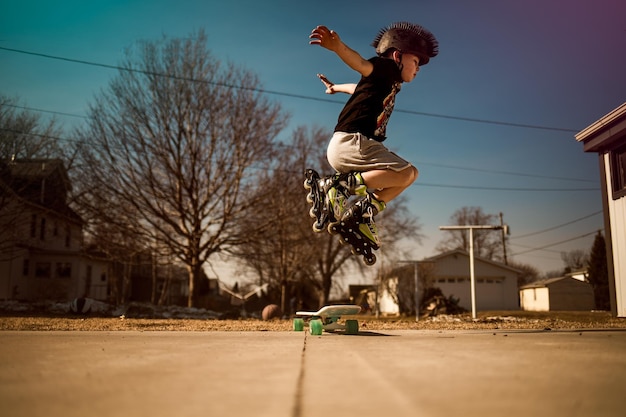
column 411, row 176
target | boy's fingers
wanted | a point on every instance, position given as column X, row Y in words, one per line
column 323, row 78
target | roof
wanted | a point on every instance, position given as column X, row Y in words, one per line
column 476, row 258
column 605, row 132
column 542, row 283
column 37, row 168
column 24, row 178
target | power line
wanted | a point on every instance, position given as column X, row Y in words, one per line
column 425, row 184
column 286, row 94
column 47, row 111
column 554, row 244
column 479, row 187
column 557, row 227
column 491, row 171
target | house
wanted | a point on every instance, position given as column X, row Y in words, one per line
column 41, row 253
column 567, row 293
column 607, row 137
column 496, row 283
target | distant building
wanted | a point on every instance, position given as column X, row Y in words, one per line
column 41, row 250
column 607, row 137
column 568, row 293
column 496, row 283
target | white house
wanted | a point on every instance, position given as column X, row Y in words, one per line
column 607, row 137
column 568, row 293
column 496, row 283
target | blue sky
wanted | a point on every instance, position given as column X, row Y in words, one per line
column 557, row 64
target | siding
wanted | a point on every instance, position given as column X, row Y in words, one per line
column 617, row 214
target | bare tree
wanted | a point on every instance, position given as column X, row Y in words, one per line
column 175, row 139
column 24, row 134
column 487, row 244
column 575, row 260
column 277, row 247
column 529, row 273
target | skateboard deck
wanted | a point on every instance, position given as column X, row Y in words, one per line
column 327, row 319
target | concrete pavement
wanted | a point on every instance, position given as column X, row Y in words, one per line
column 294, row 374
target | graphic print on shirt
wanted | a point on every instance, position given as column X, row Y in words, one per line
column 383, row 118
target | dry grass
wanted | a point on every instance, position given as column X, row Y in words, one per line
column 486, row 321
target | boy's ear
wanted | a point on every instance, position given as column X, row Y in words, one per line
column 396, row 56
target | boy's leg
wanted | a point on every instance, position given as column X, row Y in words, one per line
column 389, row 183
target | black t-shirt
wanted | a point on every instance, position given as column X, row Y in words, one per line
column 370, row 106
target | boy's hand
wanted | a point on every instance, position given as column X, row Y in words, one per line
column 325, row 37
column 327, row 83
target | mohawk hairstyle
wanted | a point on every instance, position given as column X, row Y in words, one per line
column 407, row 37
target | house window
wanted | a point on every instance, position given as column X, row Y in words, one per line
column 25, row 267
column 33, row 225
column 618, row 171
column 42, row 232
column 43, row 270
column 68, row 235
column 64, row 270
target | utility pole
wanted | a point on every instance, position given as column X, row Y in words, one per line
column 471, row 228
column 505, row 231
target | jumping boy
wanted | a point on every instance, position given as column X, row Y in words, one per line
column 356, row 151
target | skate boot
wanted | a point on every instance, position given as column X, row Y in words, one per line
column 340, row 188
column 329, row 196
column 362, row 212
column 357, row 227
column 317, row 198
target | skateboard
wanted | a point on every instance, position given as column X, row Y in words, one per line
column 327, row 319
column 325, row 217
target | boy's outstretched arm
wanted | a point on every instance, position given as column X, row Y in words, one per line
column 332, row 88
column 330, row 40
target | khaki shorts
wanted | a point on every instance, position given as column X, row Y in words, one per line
column 348, row 152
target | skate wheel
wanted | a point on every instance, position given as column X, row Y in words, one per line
column 316, row 327
column 318, row 228
column 298, row 325
column 369, row 260
column 332, row 228
column 352, row 327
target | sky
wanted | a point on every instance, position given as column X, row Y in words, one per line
column 489, row 122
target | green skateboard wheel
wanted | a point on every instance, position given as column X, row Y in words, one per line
column 316, row 327
column 298, row 325
column 352, row 327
